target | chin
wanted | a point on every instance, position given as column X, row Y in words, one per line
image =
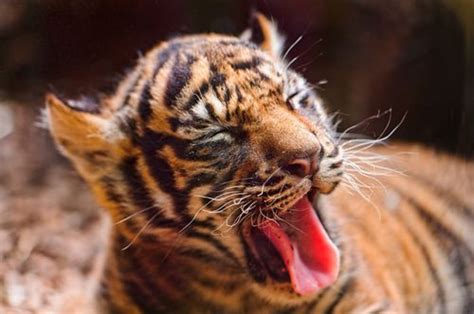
column 293, row 259
column 281, row 294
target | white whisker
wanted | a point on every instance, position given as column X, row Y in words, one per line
column 291, row 47
column 141, row 231
column 134, row 214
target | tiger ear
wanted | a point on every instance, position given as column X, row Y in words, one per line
column 81, row 135
column 264, row 33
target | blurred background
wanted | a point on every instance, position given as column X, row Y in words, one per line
column 414, row 56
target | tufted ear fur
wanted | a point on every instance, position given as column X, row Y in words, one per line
column 82, row 136
column 264, row 33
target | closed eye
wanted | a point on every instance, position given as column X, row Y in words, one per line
column 217, row 135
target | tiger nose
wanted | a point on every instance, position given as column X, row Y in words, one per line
column 302, row 166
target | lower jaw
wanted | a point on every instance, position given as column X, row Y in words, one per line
column 269, row 270
column 271, row 262
column 279, row 295
column 275, row 288
column 258, row 270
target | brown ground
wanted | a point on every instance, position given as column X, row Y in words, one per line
column 52, row 236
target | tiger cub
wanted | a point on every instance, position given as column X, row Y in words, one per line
column 219, row 165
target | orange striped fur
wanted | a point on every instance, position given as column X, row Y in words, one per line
column 199, row 136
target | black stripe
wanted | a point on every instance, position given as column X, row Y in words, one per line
column 210, row 110
column 139, row 286
column 314, row 303
column 339, row 296
column 144, row 106
column 128, row 126
column 193, row 123
column 196, row 96
column 136, row 291
column 446, row 195
column 272, row 181
column 230, row 286
column 131, row 88
column 455, row 249
column 288, row 310
column 163, row 174
column 178, row 79
column 227, row 95
column 218, row 187
column 246, row 65
column 109, row 185
column 138, row 191
column 239, row 43
column 336, row 165
column 174, row 123
column 322, row 152
column 441, row 294
column 239, row 94
column 218, row 79
column 221, row 164
column 163, row 56
column 209, row 151
column 200, row 179
column 203, row 224
column 215, row 243
column 211, row 259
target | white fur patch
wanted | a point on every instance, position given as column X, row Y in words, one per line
column 218, row 106
column 200, row 110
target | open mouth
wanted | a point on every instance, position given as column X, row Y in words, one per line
column 296, row 249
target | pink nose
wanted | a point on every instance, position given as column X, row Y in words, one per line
column 302, row 167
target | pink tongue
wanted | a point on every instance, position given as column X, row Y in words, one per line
column 311, row 258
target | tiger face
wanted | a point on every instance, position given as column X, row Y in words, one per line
column 213, row 151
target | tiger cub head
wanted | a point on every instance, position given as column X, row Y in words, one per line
column 213, row 151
